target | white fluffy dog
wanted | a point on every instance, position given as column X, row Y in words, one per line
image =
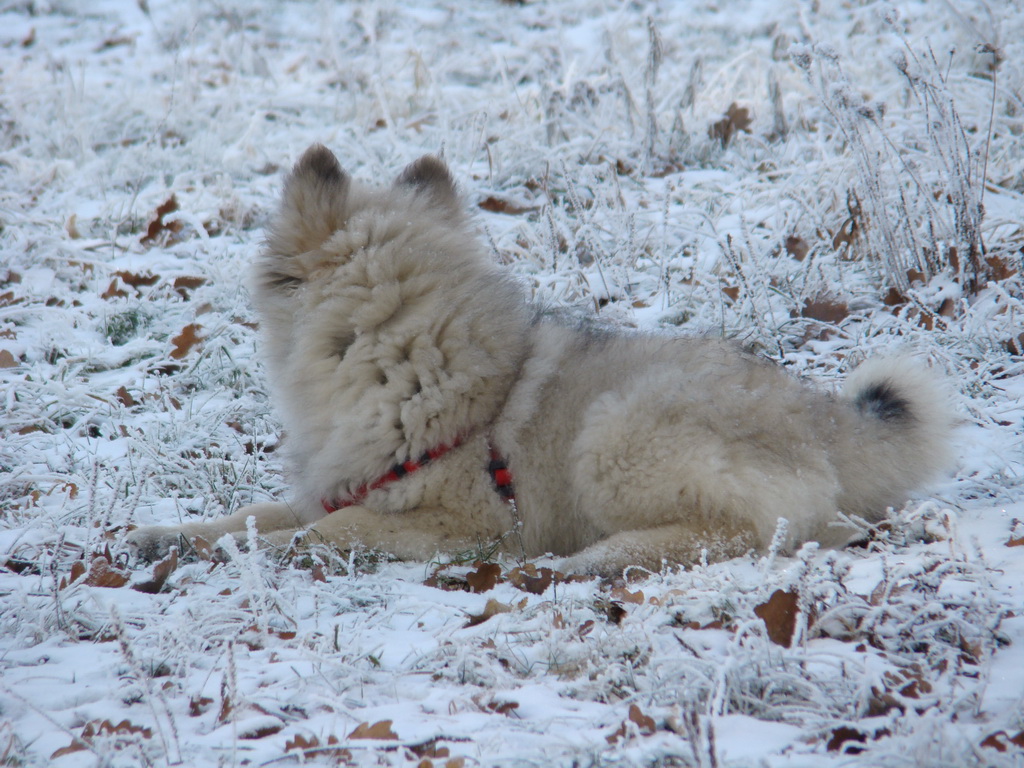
column 429, row 407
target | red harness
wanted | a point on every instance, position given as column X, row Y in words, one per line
column 501, row 476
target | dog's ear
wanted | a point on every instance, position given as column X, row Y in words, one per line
column 313, row 204
column 429, row 176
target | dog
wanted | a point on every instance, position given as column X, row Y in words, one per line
column 429, row 407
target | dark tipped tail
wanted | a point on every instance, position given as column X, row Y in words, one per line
column 884, row 400
column 900, row 437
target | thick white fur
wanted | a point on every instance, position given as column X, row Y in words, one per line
column 389, row 331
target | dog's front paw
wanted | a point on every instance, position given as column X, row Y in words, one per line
column 153, row 542
column 286, row 539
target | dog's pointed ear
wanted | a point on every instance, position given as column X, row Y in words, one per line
column 319, row 162
column 317, row 178
column 430, row 176
column 313, row 204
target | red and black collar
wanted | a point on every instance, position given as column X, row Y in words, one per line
column 497, row 467
column 501, row 475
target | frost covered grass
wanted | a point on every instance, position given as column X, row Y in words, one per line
column 820, row 181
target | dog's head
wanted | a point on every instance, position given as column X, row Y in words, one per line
column 321, row 200
column 343, row 257
column 388, row 329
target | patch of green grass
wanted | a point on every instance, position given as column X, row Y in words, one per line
column 125, row 326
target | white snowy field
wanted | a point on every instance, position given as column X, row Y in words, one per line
column 820, row 180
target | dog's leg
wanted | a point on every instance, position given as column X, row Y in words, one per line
column 652, row 548
column 417, row 534
column 153, row 542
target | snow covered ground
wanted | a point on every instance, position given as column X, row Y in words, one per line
column 816, row 179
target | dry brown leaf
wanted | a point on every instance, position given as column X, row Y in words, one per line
column 161, row 571
column 999, row 268
column 910, row 682
column 645, row 725
column 954, row 258
column 732, row 291
column 114, row 291
column 1015, row 542
column 125, row 398
column 115, row 41
column 894, row 298
column 925, row 318
column 301, row 742
column 226, row 706
column 881, row 593
column 736, row 119
column 797, row 247
column 185, row 340
column 492, row 609
column 825, row 309
column 197, row 707
column 489, row 704
column 203, row 548
column 624, row 595
column 1015, row 346
column 380, row 730
column 261, row 731
column 78, row 746
column 613, row 610
column 311, row 748
column 15, row 565
column 184, row 285
column 156, row 226
column 1000, row 740
column 847, row 234
column 497, row 205
column 779, row 616
column 992, row 741
column 534, row 580
column 446, row 582
column 429, row 749
column 96, row 728
column 906, row 683
column 103, row 574
column 915, row 276
column 841, row 736
column 7, row 360
column 619, row 733
column 137, row 280
column 484, row 578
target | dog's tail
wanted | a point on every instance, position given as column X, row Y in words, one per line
column 899, row 435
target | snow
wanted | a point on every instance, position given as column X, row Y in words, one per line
column 592, row 121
